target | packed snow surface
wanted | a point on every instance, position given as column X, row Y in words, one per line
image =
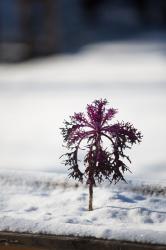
column 35, row 98
column 48, row 203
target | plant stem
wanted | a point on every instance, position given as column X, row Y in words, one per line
column 90, row 197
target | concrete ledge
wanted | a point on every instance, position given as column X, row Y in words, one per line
column 20, row 241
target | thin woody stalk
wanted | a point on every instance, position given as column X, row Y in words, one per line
column 91, row 173
column 90, row 197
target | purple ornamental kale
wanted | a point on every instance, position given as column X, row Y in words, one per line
column 100, row 162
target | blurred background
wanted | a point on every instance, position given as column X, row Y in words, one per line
column 58, row 55
column 30, row 28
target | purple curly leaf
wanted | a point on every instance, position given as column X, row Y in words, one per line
column 100, row 163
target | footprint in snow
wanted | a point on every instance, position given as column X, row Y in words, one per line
column 31, row 209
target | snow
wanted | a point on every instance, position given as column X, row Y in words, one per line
column 108, row 65
column 36, row 96
column 38, row 202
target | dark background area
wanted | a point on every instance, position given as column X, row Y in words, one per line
column 30, row 28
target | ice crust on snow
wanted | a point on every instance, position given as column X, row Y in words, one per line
column 50, row 203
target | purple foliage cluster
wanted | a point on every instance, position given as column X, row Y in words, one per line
column 100, row 162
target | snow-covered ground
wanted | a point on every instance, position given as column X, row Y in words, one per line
column 35, row 98
column 51, row 204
